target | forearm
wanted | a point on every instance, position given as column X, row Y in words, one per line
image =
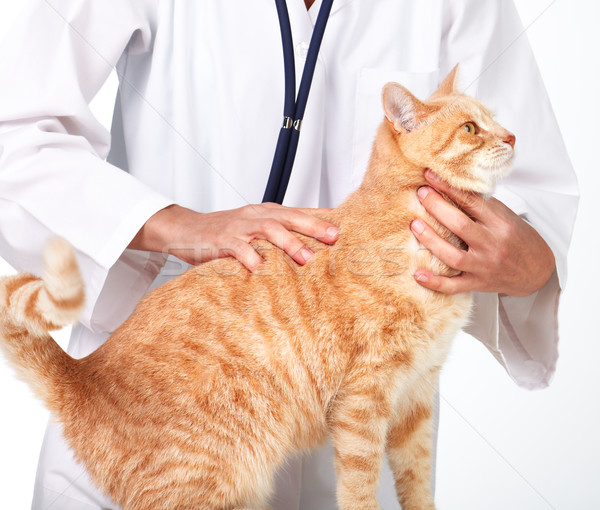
column 154, row 233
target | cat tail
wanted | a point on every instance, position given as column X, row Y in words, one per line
column 30, row 307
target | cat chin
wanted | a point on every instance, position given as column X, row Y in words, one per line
column 487, row 176
column 479, row 181
column 481, row 178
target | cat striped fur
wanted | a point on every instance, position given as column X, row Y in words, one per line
column 220, row 374
column 30, row 308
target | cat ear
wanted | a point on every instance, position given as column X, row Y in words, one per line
column 401, row 107
column 448, row 86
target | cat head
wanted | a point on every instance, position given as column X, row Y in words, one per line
column 450, row 133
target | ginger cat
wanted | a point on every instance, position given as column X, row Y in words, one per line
column 220, row 374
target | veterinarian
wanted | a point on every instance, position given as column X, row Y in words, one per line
column 196, row 122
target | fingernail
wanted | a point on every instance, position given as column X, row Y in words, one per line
column 307, row 254
column 422, row 192
column 333, row 232
column 417, row 226
column 421, row 277
column 432, row 175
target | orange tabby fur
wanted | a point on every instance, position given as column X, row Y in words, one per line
column 220, row 374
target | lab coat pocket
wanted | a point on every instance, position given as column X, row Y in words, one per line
column 369, row 110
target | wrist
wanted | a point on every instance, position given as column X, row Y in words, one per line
column 155, row 234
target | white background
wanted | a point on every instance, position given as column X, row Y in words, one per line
column 500, row 447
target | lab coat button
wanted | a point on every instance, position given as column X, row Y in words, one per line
column 302, row 49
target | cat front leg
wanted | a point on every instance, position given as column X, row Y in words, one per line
column 358, row 424
column 409, row 450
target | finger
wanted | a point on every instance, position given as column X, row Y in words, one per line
column 278, row 235
column 305, row 222
column 472, row 203
column 243, row 252
column 315, row 211
column 448, row 253
column 445, row 284
column 449, row 215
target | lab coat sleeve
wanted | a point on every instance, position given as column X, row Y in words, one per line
column 498, row 67
column 54, row 179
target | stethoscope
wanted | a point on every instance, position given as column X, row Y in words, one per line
column 293, row 109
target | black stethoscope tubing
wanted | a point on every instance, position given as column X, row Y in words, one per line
column 293, row 108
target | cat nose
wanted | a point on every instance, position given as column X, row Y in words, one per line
column 510, row 139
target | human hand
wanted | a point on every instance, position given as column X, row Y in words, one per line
column 199, row 237
column 504, row 255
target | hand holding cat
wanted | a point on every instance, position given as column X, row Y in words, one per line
column 505, row 254
column 199, row 237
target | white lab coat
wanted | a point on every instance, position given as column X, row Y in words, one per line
column 198, row 114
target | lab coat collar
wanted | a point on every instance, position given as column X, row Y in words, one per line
column 313, row 12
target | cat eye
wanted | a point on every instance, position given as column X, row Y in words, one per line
column 470, row 128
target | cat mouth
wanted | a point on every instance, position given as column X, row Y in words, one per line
column 493, row 169
column 500, row 163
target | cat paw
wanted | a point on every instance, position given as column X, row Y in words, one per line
column 419, row 505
